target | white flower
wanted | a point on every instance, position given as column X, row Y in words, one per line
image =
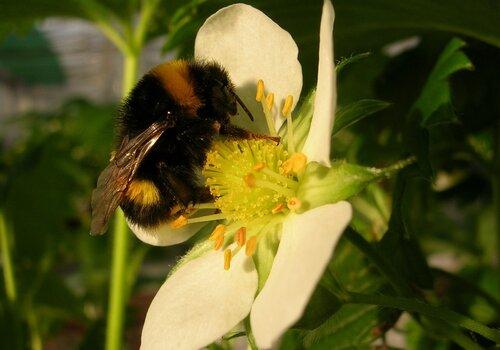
column 201, row 301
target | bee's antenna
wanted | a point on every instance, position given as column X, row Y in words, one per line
column 245, row 108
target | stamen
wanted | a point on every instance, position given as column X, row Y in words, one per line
column 276, row 188
column 291, row 183
column 228, row 254
column 287, row 106
column 259, row 166
column 179, row 222
column 246, row 180
column 278, row 208
column 218, row 243
column 295, row 164
column 270, row 101
column 205, row 206
column 205, row 218
column 287, row 112
column 294, row 204
column 249, row 180
column 240, row 236
column 260, row 90
column 251, row 246
column 218, row 231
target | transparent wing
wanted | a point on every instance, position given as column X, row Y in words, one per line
column 114, row 180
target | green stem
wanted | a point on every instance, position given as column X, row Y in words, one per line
column 8, row 269
column 130, row 69
column 36, row 339
column 117, row 294
column 496, row 191
column 250, row 338
column 412, row 305
column 103, row 18
column 147, row 12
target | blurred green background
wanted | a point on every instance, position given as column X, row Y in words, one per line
column 417, row 77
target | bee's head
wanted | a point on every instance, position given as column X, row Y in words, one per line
column 219, row 92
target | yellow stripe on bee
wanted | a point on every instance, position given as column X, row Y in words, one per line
column 143, row 192
column 175, row 78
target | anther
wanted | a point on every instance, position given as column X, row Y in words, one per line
column 228, row 254
column 249, row 180
column 260, row 90
column 179, row 222
column 270, row 101
column 287, row 106
column 218, row 232
column 295, row 164
column 278, row 208
column 258, row 167
column 250, row 246
column 240, row 236
column 218, row 242
column 294, row 204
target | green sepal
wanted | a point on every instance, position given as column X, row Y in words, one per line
column 321, row 185
column 264, row 254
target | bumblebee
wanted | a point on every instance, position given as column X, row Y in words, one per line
column 166, row 126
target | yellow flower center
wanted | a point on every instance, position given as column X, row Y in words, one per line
column 246, row 178
column 254, row 184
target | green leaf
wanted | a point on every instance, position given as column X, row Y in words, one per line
column 434, row 102
column 366, row 24
column 348, row 115
column 351, row 326
column 399, row 245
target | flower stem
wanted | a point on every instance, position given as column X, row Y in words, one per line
column 120, row 247
column 412, row 305
column 8, row 269
column 250, row 338
column 117, row 295
column 10, row 280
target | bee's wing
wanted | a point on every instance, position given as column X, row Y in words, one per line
column 114, row 180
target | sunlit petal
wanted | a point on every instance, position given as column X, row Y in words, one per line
column 317, row 145
column 306, row 246
column 251, row 47
column 200, row 302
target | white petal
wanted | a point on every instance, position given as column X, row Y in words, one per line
column 165, row 235
column 251, row 47
column 306, row 246
column 317, row 145
column 199, row 303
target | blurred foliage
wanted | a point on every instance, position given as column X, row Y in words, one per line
column 30, row 58
column 434, row 95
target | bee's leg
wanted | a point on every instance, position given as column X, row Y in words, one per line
column 205, row 196
column 178, row 188
column 234, row 132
